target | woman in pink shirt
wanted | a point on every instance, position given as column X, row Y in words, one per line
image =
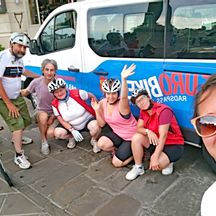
column 114, row 115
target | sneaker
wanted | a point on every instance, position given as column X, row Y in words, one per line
column 45, row 148
column 22, row 161
column 168, row 170
column 95, row 149
column 135, row 172
column 25, row 140
column 71, row 144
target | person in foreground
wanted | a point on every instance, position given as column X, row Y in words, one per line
column 74, row 114
column 114, row 115
column 44, row 113
column 158, row 132
column 13, row 108
column 204, row 122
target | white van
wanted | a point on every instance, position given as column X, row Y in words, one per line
column 172, row 43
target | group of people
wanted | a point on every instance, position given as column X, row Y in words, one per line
column 64, row 114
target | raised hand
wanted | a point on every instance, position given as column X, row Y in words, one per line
column 95, row 105
column 126, row 72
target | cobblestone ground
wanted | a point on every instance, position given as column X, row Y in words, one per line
column 78, row 182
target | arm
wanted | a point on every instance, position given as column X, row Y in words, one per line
column 99, row 112
column 65, row 124
column 51, row 119
column 13, row 110
column 153, row 139
column 91, row 96
column 124, row 107
column 30, row 74
column 154, row 161
column 24, row 92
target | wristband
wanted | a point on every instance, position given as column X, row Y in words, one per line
column 146, row 131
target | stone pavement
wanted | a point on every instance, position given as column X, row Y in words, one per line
column 78, row 182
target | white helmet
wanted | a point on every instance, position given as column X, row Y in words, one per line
column 20, row 38
column 136, row 93
column 111, row 85
column 56, row 84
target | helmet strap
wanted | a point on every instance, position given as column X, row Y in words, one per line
column 66, row 97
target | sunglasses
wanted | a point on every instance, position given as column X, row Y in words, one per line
column 138, row 101
column 205, row 125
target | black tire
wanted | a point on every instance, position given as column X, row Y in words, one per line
column 5, row 175
column 209, row 159
column 31, row 97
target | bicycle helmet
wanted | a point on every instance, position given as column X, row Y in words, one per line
column 56, row 84
column 136, row 93
column 20, row 38
column 111, row 85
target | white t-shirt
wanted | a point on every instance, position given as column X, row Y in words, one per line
column 10, row 73
column 208, row 207
column 72, row 112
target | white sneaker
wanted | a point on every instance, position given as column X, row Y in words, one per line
column 71, row 144
column 26, row 140
column 93, row 142
column 168, row 170
column 135, row 172
column 22, row 162
column 45, row 148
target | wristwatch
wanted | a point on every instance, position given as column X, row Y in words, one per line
column 146, row 131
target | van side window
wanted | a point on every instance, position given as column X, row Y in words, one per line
column 192, row 30
column 59, row 33
column 135, row 31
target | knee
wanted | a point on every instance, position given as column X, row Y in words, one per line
column 140, row 140
column 117, row 162
column 50, row 133
column 104, row 143
column 42, row 118
column 93, row 128
column 60, row 133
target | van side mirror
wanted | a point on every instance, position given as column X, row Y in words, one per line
column 34, row 48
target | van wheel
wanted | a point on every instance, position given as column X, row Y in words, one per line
column 31, row 97
column 209, row 159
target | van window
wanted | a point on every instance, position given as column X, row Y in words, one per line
column 192, row 30
column 59, row 33
column 134, row 31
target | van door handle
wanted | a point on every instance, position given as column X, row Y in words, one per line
column 73, row 69
column 103, row 73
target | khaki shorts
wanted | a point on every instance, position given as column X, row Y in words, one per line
column 22, row 121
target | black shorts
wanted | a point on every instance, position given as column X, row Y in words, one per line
column 123, row 147
column 174, row 151
column 82, row 130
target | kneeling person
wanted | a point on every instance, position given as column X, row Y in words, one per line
column 73, row 113
column 158, row 132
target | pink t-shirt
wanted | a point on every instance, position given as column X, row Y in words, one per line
column 44, row 97
column 124, row 128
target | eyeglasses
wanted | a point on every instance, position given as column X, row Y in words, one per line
column 139, row 100
column 205, row 125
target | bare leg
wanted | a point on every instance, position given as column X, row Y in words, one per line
column 94, row 129
column 118, row 163
column 105, row 144
column 139, row 141
column 61, row 133
column 17, row 140
column 42, row 118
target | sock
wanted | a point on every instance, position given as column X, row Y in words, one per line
column 139, row 165
column 18, row 154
